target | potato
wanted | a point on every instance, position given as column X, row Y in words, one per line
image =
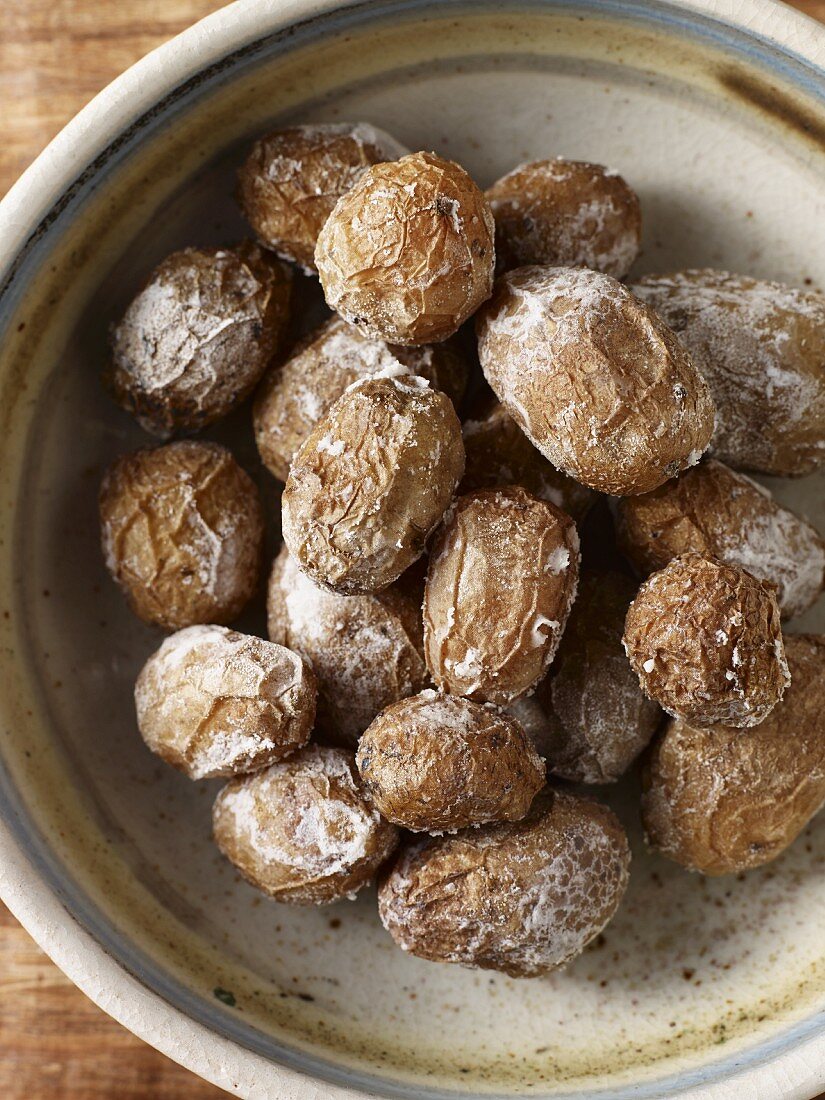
column 370, row 482
column 594, row 719
column 718, row 801
column 198, row 337
column 594, row 378
column 213, row 702
column 712, row 510
column 498, row 453
column 704, row 639
column 761, row 348
column 522, row 898
column 502, row 578
column 408, row 254
column 303, row 830
column 437, row 762
column 294, row 395
column 293, row 178
column 367, row 651
column 182, row 533
column 566, row 213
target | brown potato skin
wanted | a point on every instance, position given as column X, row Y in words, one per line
column 566, row 213
column 216, row 703
column 182, row 533
column 523, row 898
column 498, row 453
column 169, row 367
column 596, row 718
column 438, row 762
column 367, row 651
column 296, row 394
column 761, row 348
column 408, row 254
column 292, row 179
column 713, row 510
column 705, row 641
column 370, row 482
column 259, row 823
column 718, row 802
column 501, row 581
column 594, row 378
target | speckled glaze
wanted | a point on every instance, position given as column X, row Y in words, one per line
column 714, row 110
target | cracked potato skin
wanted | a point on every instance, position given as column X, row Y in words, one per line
column 182, row 533
column 370, row 483
column 720, row 802
column 522, row 898
column 435, row 763
column 408, row 254
column 594, row 378
column 293, row 178
column 501, row 580
column 705, row 641
column 197, row 338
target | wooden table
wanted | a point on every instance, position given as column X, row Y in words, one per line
column 54, row 56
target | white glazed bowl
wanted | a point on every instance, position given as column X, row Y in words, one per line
column 715, row 111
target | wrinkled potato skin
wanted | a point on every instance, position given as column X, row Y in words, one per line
column 215, row 703
column 566, row 213
column 182, row 533
column 408, row 254
column 293, row 178
column 594, row 378
column 720, row 802
column 713, row 510
column 259, row 823
column 296, row 394
column 596, row 717
column 522, row 898
column 370, row 482
column 498, row 453
column 169, row 367
column 367, row 651
column 438, row 762
column 501, row 581
column 713, row 636
column 761, row 348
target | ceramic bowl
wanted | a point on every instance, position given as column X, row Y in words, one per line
column 715, row 112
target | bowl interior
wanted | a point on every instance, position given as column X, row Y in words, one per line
column 693, row 974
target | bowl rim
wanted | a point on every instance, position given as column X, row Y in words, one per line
column 795, row 1074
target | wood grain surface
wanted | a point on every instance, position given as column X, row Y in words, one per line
column 54, row 56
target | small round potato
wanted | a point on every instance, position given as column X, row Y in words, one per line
column 594, row 378
column 437, row 763
column 596, row 718
column 566, row 213
column 720, row 802
column 366, row 651
column 704, row 639
column 498, row 453
column 712, row 510
column 370, row 482
column 303, row 830
column 408, row 254
column 293, row 178
column 182, row 532
column 294, row 395
column 502, row 578
column 522, row 898
column 213, row 702
column 196, row 340
column 761, row 348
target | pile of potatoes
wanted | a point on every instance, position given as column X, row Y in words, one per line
column 443, row 677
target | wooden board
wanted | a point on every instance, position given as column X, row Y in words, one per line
column 54, row 56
